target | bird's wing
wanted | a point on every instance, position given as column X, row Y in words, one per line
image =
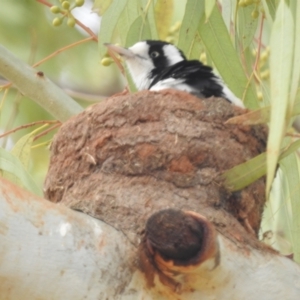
column 194, row 74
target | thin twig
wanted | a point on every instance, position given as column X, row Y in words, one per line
column 296, row 135
column 7, row 85
column 88, row 30
column 259, row 43
column 254, row 73
column 46, row 131
column 28, row 125
column 61, row 50
column 44, row 2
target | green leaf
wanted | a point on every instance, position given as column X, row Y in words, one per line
column 253, row 117
column 290, row 169
column 218, row 44
column 246, row 25
column 196, row 48
column 226, row 13
column 163, row 15
column 109, row 22
column 100, row 6
column 126, row 19
column 209, row 6
column 244, row 174
column 194, row 11
column 147, row 8
column 10, row 163
column 259, row 116
column 22, row 149
column 139, row 30
column 296, row 59
column 280, row 73
column 270, row 9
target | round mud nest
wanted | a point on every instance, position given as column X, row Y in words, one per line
column 132, row 155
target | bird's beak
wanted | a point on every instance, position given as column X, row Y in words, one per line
column 126, row 53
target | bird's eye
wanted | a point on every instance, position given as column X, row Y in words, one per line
column 154, row 54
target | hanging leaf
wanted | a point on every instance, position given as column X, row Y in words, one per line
column 150, row 15
column 10, row 163
column 247, row 25
column 209, row 6
column 244, row 174
column 226, row 13
column 296, row 59
column 253, row 117
column 194, row 11
column 100, row 6
column 218, row 44
column 290, row 168
column 109, row 22
column 259, row 116
column 196, row 48
column 280, row 73
column 126, row 19
column 139, row 30
column 22, row 149
column 270, row 9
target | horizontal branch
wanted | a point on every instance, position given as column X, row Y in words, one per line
column 51, row 252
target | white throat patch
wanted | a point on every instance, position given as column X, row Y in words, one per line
column 140, row 65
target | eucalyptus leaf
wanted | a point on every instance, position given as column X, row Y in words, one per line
column 253, row 117
column 227, row 12
column 22, row 149
column 109, row 22
column 248, row 172
column 100, row 6
column 280, row 73
column 196, row 48
column 296, row 59
column 218, row 44
column 290, row 168
column 209, row 6
column 194, row 11
column 129, row 14
column 10, row 163
column 139, row 30
column 150, row 14
column 247, row 25
column 259, row 116
column 270, row 9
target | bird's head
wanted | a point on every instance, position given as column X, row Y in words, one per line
column 146, row 59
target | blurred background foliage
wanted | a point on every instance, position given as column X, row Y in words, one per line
column 253, row 45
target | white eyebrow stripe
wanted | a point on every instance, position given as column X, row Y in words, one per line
column 172, row 54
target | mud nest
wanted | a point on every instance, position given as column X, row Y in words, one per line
column 125, row 158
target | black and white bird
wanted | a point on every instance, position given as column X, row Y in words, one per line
column 157, row 65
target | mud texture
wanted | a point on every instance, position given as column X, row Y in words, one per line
column 132, row 155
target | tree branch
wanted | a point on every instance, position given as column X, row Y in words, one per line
column 36, row 86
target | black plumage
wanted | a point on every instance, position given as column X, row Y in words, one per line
column 193, row 73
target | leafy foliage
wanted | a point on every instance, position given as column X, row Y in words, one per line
column 254, row 46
